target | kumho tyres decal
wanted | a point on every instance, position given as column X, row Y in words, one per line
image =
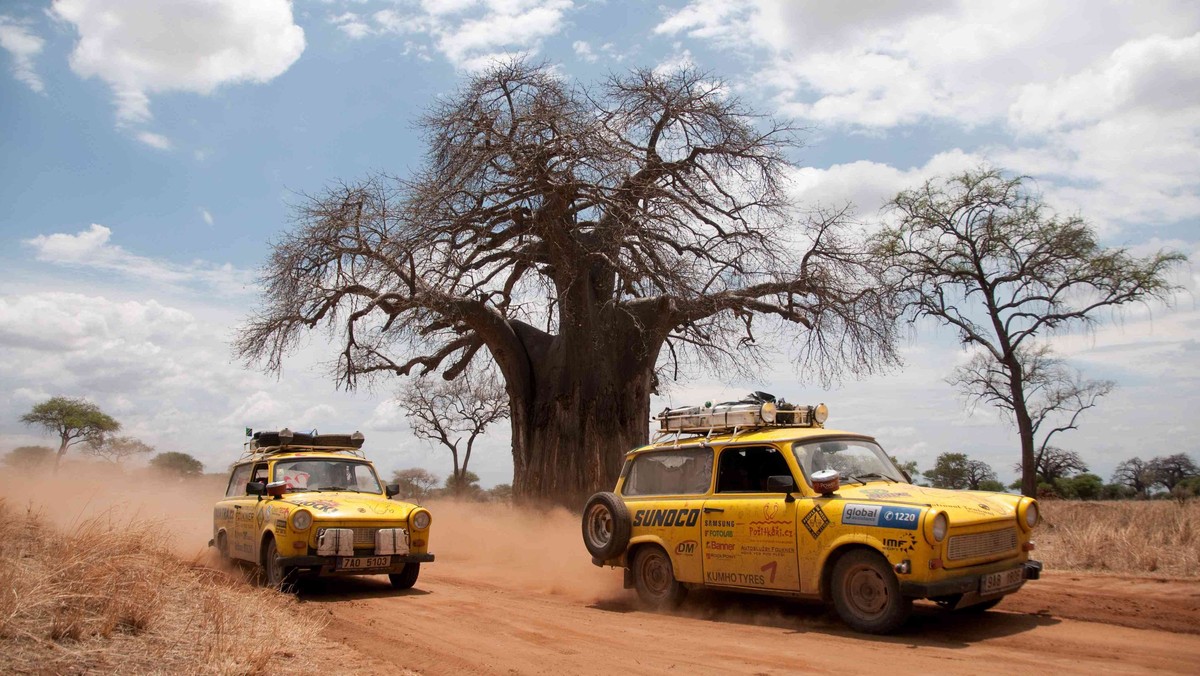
column 668, row 518
column 881, row 516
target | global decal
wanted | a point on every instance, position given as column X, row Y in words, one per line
column 668, row 518
column 882, row 516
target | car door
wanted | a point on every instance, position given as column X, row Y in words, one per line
column 749, row 533
column 224, row 519
column 245, row 516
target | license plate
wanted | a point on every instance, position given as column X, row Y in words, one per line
column 1005, row 579
column 363, row 562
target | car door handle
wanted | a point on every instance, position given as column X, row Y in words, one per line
column 710, row 510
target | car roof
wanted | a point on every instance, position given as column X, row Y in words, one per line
column 752, row 435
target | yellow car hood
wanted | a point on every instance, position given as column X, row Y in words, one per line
column 963, row 507
column 349, row 506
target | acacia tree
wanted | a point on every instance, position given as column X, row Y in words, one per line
column 956, row 470
column 73, row 420
column 577, row 236
column 981, row 253
column 1053, row 463
column 415, row 482
column 174, row 463
column 450, row 412
column 1168, row 471
column 117, row 449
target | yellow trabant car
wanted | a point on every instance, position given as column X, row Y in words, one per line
column 306, row 505
column 760, row 497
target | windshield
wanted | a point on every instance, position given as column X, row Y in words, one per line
column 326, row 474
column 854, row 459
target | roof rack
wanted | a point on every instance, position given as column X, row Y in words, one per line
column 268, row 443
column 758, row 410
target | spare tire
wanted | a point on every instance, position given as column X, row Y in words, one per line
column 605, row 526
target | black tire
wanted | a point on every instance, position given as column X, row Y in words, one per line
column 654, row 579
column 406, row 578
column 605, row 526
column 866, row 593
column 274, row 574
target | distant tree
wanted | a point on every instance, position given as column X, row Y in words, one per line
column 956, row 470
column 1170, row 470
column 73, row 420
column 501, row 492
column 449, row 412
column 1135, row 473
column 1054, row 463
column 982, row 253
column 1115, row 491
column 177, row 464
column 415, row 483
column 991, row 485
column 1188, row 489
column 117, row 449
column 466, row 485
column 1081, row 487
column 909, row 468
column 27, row 458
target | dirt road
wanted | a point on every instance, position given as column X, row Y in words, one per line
column 510, row 595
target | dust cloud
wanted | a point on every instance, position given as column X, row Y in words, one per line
column 181, row 509
column 539, row 550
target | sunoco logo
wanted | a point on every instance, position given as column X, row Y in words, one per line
column 686, row 547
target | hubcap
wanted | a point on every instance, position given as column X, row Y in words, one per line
column 656, row 574
column 600, row 525
column 866, row 591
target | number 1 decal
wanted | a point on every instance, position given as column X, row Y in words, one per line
column 772, row 566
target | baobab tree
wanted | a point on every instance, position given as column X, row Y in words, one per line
column 590, row 240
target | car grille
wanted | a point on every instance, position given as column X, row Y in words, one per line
column 364, row 536
column 976, row 545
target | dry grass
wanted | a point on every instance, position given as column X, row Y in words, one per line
column 1159, row 537
column 111, row 597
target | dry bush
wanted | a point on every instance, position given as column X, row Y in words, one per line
column 111, row 597
column 1157, row 537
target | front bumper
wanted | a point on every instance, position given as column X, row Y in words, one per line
column 965, row 585
column 327, row 565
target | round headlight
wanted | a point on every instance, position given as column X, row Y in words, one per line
column 420, row 520
column 767, row 412
column 1031, row 514
column 821, row 414
column 940, row 525
column 301, row 519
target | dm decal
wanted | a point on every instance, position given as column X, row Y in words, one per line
column 905, row 518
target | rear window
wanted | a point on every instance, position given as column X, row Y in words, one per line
column 670, row 473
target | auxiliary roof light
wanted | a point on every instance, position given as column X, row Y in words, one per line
column 821, row 414
column 767, row 412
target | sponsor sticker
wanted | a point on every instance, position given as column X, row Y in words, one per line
column 815, row 522
column 882, row 516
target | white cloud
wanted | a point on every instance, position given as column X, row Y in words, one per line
column 23, row 46
column 91, row 249
column 208, row 218
column 469, row 33
column 584, row 51
column 143, row 47
column 154, row 140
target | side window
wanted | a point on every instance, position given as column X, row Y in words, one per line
column 238, row 481
column 670, row 473
column 745, row 470
column 260, row 473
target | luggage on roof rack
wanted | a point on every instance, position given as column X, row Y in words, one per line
column 286, row 438
column 758, row 410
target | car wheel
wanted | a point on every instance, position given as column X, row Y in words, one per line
column 406, row 578
column 866, row 593
column 654, row 579
column 277, row 577
column 605, row 526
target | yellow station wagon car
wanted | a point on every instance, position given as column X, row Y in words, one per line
column 306, row 505
column 759, row 497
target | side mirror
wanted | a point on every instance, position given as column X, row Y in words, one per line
column 256, row 488
column 392, row 490
column 781, row 483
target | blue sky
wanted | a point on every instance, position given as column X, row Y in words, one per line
column 150, row 151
